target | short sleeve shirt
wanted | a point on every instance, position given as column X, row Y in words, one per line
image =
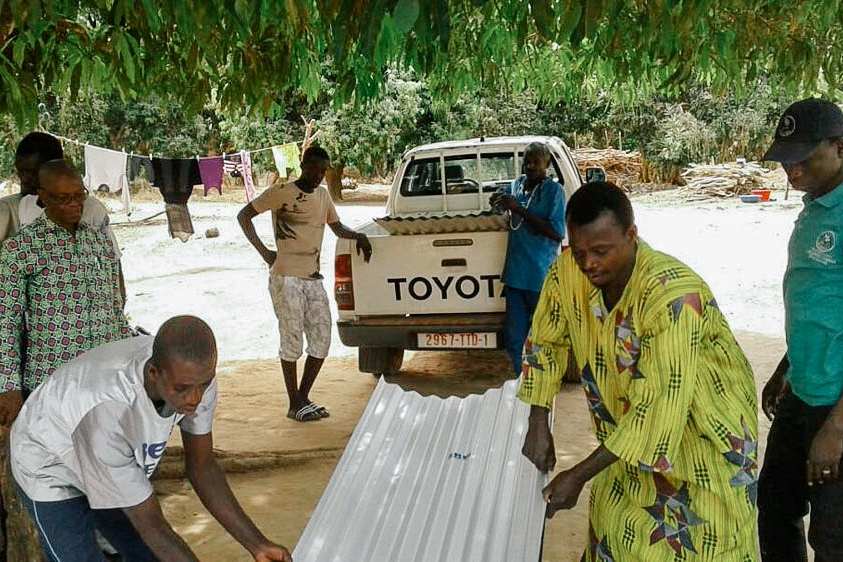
column 813, row 300
column 9, row 219
column 298, row 221
column 92, row 430
column 60, row 293
column 529, row 254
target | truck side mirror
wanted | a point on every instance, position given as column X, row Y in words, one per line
column 595, row 174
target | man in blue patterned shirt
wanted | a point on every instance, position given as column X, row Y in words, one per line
column 59, row 289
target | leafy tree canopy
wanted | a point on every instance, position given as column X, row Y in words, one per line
column 249, row 52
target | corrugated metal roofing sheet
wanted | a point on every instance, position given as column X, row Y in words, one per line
column 431, row 224
column 434, row 480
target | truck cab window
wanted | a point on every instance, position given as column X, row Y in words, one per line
column 463, row 175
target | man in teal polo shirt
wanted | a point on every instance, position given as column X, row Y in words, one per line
column 805, row 444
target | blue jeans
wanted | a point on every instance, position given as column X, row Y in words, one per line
column 784, row 495
column 67, row 529
column 520, row 306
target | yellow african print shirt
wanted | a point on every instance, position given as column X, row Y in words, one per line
column 671, row 394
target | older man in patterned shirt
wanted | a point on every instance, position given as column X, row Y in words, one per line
column 59, row 284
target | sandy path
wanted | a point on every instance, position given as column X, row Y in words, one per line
column 288, row 464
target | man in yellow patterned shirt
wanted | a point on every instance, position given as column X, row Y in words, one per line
column 671, row 395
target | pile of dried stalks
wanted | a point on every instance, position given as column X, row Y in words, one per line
column 723, row 180
column 622, row 166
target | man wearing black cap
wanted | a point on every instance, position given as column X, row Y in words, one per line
column 805, row 393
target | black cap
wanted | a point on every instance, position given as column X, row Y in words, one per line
column 802, row 127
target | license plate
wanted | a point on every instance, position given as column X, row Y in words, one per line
column 462, row 340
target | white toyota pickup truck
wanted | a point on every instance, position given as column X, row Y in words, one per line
column 434, row 280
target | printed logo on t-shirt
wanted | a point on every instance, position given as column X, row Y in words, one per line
column 151, row 455
column 825, row 243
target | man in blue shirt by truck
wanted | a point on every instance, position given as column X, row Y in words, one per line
column 536, row 205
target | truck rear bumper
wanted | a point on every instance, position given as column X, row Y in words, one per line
column 402, row 331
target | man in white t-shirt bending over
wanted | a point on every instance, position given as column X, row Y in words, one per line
column 87, row 440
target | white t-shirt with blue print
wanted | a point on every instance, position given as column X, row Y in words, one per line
column 91, row 429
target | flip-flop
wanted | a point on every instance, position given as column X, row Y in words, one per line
column 305, row 414
column 321, row 410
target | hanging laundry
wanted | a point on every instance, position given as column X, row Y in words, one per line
column 248, row 180
column 178, row 221
column 106, row 167
column 175, row 178
column 233, row 165
column 211, row 170
column 126, row 198
column 287, row 157
column 141, row 167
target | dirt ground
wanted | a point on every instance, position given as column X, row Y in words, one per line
column 279, row 468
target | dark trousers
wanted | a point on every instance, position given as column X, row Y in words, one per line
column 520, row 306
column 67, row 529
column 784, row 495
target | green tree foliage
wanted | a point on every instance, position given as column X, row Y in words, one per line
column 8, row 132
column 245, row 54
column 484, row 114
column 152, row 126
column 374, row 135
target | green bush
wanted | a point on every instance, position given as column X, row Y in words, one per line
column 679, row 139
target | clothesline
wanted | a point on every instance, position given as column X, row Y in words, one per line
column 176, row 177
column 255, row 151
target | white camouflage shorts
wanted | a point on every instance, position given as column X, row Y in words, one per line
column 302, row 307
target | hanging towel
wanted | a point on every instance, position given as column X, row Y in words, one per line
column 105, row 167
column 210, row 170
column 126, row 198
column 178, row 221
column 175, row 178
column 287, row 157
column 141, row 167
column 248, row 181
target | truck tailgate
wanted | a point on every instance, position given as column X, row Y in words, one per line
column 452, row 273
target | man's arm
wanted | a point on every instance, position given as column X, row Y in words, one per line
column 244, row 217
column 208, row 479
column 827, row 448
column 12, row 308
column 149, row 522
column 545, row 351
column 538, row 224
column 775, row 388
column 96, row 214
column 565, row 488
column 122, row 282
column 113, row 478
column 364, row 247
column 538, row 443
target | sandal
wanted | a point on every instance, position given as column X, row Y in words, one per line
column 321, row 410
column 305, row 414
